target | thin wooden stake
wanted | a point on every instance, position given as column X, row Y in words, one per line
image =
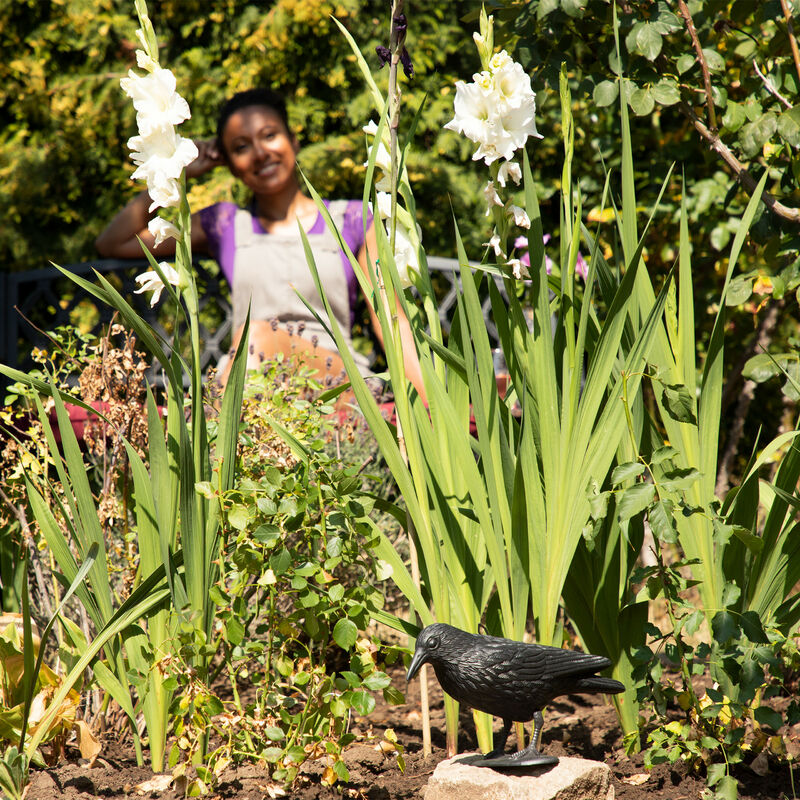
column 423, row 673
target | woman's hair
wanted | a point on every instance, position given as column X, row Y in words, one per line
column 245, row 99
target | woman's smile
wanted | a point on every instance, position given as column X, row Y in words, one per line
column 260, row 149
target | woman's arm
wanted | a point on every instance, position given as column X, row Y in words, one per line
column 410, row 359
column 119, row 239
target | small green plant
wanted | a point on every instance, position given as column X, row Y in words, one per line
column 298, row 579
column 707, row 729
column 25, row 682
column 13, row 774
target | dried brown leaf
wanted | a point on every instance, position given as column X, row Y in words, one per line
column 636, row 780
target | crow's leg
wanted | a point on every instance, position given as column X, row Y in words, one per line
column 538, row 724
column 500, row 740
column 531, row 755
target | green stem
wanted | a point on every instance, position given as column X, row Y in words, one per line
column 627, row 407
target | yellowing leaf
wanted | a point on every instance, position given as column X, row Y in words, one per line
column 777, row 746
column 636, row 780
column 328, row 776
column 88, row 743
column 763, row 285
column 601, row 215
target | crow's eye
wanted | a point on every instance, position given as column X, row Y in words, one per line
column 433, row 642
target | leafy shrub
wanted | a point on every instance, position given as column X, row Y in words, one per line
column 298, row 580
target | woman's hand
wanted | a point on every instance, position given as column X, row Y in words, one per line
column 208, row 157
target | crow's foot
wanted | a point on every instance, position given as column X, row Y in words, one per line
column 529, row 757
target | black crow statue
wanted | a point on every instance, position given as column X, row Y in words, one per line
column 511, row 680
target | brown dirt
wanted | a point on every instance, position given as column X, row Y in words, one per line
column 575, row 726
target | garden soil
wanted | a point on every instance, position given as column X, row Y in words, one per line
column 578, row 725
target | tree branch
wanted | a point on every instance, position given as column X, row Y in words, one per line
column 792, row 41
column 687, row 17
column 769, row 86
column 740, row 171
column 766, row 329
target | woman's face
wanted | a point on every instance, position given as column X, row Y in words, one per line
column 261, row 151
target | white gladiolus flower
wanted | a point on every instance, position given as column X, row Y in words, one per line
column 474, row 108
column 496, row 110
column 405, row 249
column 383, row 160
column 159, row 153
column 384, row 205
column 518, row 269
column 162, row 230
column 157, row 103
column 164, row 192
column 510, row 130
column 521, row 219
column 143, row 61
column 500, row 60
column 509, row 170
column 406, row 255
column 140, row 37
column 494, row 243
column 161, row 157
column 492, row 198
column 484, row 81
column 151, row 282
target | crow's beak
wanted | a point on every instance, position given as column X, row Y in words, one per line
column 416, row 663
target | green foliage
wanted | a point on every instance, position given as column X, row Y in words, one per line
column 64, row 121
column 712, row 730
column 13, row 774
column 299, row 578
column 747, row 116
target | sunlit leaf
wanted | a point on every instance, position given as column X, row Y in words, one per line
column 345, row 633
column 634, row 500
column 605, row 93
column 679, row 403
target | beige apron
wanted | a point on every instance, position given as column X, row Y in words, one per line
column 270, row 268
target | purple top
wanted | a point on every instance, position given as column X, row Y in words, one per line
column 217, row 223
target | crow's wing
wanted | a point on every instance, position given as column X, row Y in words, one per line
column 528, row 676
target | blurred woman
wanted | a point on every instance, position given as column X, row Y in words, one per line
column 259, row 247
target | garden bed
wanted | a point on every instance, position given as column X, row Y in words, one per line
column 580, row 726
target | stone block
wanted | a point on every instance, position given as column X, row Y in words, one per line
column 570, row 779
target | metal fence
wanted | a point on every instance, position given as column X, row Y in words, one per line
column 35, row 302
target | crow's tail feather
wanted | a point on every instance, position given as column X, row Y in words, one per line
column 598, row 684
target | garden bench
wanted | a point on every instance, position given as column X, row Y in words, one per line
column 41, row 300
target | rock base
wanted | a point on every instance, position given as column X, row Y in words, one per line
column 570, row 779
